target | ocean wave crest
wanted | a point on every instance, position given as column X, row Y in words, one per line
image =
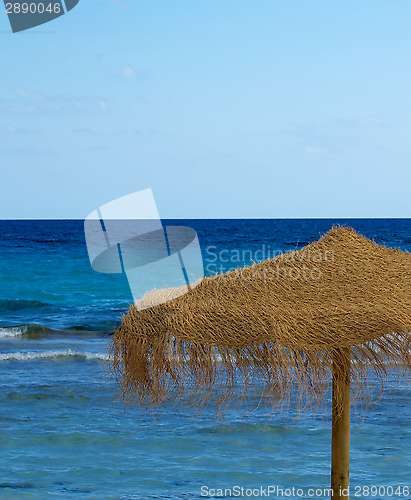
column 19, row 304
column 12, row 331
column 33, row 355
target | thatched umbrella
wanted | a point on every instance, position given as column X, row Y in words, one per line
column 338, row 309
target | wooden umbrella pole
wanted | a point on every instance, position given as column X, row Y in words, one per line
column 340, row 443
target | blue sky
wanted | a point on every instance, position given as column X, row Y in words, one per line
column 267, row 108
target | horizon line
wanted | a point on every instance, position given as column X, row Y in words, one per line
column 215, row 218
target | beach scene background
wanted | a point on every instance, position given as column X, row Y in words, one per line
column 63, row 433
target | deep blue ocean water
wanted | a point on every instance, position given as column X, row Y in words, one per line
column 63, row 436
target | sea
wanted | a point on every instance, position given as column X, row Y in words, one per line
column 65, row 435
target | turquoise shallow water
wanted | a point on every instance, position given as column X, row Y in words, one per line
column 63, row 436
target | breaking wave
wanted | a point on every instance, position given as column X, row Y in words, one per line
column 68, row 353
column 12, row 331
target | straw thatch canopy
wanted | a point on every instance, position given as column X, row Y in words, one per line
column 282, row 322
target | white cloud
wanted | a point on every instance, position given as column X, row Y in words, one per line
column 7, row 129
column 334, row 136
column 27, row 151
column 370, row 121
column 102, row 105
column 21, row 110
column 128, row 72
column 28, row 102
column 83, row 130
column 356, row 121
column 11, row 129
column 36, row 96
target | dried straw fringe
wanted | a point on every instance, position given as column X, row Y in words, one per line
column 240, row 331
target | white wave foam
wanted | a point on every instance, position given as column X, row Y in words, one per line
column 13, row 331
column 28, row 356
